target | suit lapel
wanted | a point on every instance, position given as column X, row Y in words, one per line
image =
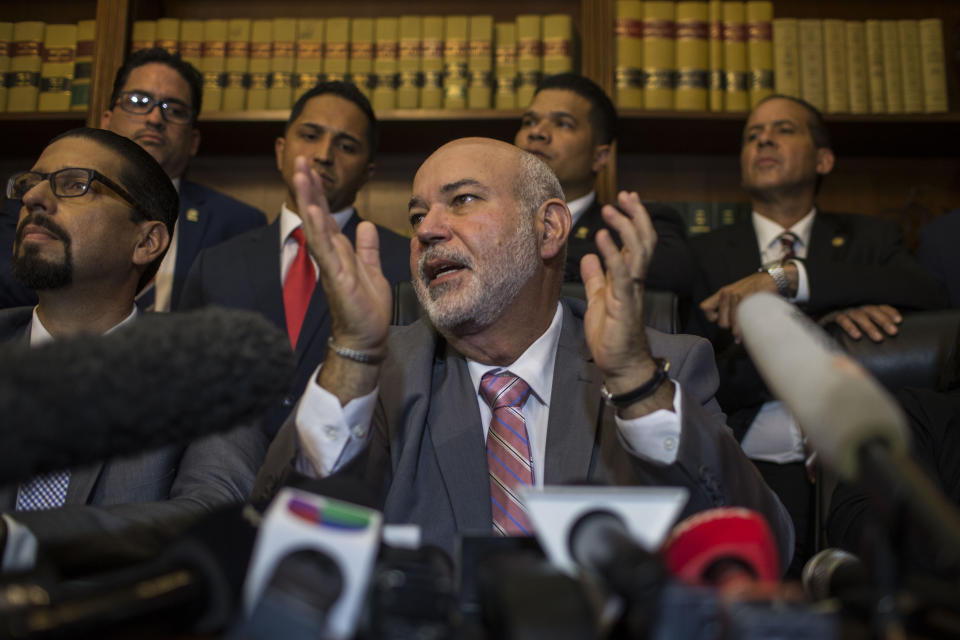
column 457, row 437
column 574, row 401
column 192, row 224
column 263, row 273
column 743, row 254
column 82, row 482
column 826, row 238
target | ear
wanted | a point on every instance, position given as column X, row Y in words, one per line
column 825, row 160
column 368, row 173
column 601, row 156
column 105, row 119
column 194, row 141
column 278, row 146
column 555, row 222
column 153, row 241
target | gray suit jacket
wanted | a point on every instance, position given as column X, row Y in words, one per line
column 426, row 456
column 126, row 509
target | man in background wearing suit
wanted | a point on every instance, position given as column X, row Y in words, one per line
column 938, row 254
column 269, row 269
column 490, row 230
column 572, row 125
column 96, row 220
column 854, row 265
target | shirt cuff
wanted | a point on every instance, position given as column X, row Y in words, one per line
column 330, row 434
column 20, row 551
column 803, row 283
column 654, row 437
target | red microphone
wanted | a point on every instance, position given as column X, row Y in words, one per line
column 726, row 547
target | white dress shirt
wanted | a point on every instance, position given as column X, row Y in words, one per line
column 163, row 280
column 579, row 206
column 289, row 221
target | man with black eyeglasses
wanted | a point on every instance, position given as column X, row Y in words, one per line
column 96, row 217
column 155, row 102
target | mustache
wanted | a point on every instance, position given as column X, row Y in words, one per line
column 438, row 252
column 41, row 221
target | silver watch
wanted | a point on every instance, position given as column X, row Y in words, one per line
column 779, row 276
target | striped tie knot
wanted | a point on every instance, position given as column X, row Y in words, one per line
column 503, row 390
column 787, row 241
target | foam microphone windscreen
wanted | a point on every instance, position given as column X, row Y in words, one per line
column 838, row 405
column 165, row 378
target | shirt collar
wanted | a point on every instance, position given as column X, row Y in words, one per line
column 768, row 231
column 39, row 334
column 578, row 206
column 535, row 365
column 290, row 220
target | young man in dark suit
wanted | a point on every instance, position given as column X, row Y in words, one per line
column 334, row 126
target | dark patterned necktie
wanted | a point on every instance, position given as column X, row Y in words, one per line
column 787, row 241
column 45, row 491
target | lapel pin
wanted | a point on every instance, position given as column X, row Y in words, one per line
column 582, row 233
column 839, row 241
column 194, row 216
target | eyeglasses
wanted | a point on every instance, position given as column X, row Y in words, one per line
column 142, row 103
column 71, row 182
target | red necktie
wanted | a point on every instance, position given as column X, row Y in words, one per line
column 508, row 452
column 298, row 287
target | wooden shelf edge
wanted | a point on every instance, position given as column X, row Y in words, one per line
column 390, row 115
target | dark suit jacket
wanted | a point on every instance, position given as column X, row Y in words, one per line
column 672, row 267
column 244, row 273
column 939, row 255
column 426, row 456
column 207, row 217
column 851, row 260
column 126, row 509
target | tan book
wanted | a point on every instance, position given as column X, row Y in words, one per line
column 857, row 76
column 214, row 63
column 558, row 44
column 261, row 53
column 431, row 60
column 408, row 65
column 386, row 55
column 933, row 65
column 309, row 65
column 659, row 53
column 717, row 78
column 529, row 57
column 628, row 39
column 23, row 80
column 480, row 63
column 282, row 63
column 736, row 72
column 835, row 65
column 786, row 56
column 505, row 46
column 168, row 34
column 82, row 66
column 360, row 64
column 6, row 47
column 693, row 56
column 876, row 75
column 191, row 42
column 760, row 49
column 812, row 72
column 56, row 72
column 455, row 55
column 143, row 35
column 335, row 53
column 237, row 64
column 892, row 68
column 911, row 69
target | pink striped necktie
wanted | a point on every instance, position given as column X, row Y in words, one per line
column 509, row 460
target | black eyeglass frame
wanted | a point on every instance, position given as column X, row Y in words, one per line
column 152, row 102
column 92, row 174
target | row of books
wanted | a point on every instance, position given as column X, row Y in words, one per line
column 727, row 55
column 704, row 217
column 406, row 62
column 45, row 67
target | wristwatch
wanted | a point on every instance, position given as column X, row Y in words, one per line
column 779, row 275
column 623, row 400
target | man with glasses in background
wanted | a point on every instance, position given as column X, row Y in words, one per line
column 96, row 218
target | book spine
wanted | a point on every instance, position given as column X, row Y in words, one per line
column 835, row 65
column 143, row 35
column 261, row 54
column 717, row 88
column 760, row 49
column 693, row 56
column 659, row 54
column 191, row 42
column 786, row 56
column 505, row 37
column 309, row 61
column 529, row 57
column 237, row 64
column 892, row 73
column 910, row 66
column 431, row 93
column 557, row 44
column 213, row 63
column 361, row 48
column 875, row 72
column 409, row 64
column 629, row 41
column 168, row 34
column 812, row 73
column 736, row 72
column 335, row 51
column 933, row 66
column 6, row 46
column 82, row 66
column 857, row 76
column 283, row 61
column 23, row 81
column 455, row 52
column 480, row 63
column 56, row 72
column 386, row 55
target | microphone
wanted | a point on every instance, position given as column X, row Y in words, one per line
column 831, row 573
column 723, row 547
column 164, row 379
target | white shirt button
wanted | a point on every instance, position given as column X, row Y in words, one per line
column 669, row 443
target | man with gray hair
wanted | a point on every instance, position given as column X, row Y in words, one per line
column 504, row 385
